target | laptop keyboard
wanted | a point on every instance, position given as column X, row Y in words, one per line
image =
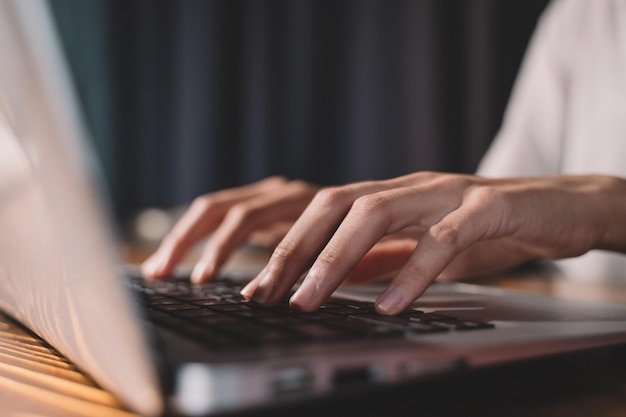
column 216, row 315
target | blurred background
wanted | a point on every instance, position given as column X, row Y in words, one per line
column 184, row 97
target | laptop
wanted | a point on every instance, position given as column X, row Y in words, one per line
column 170, row 347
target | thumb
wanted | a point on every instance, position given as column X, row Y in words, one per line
column 383, row 261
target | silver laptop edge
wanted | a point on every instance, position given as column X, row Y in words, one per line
column 52, row 271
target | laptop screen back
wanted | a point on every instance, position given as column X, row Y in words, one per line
column 58, row 266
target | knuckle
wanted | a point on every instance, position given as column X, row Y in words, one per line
column 282, row 253
column 376, row 208
column 489, row 197
column 445, row 235
column 278, row 178
column 300, row 187
column 328, row 258
column 329, row 197
column 241, row 213
column 275, row 180
column 425, row 175
column 204, row 202
column 421, row 175
column 372, row 203
column 455, row 181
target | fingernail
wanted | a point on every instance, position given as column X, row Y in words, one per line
column 392, row 301
column 150, row 268
column 304, row 296
column 262, row 293
column 247, row 291
column 199, row 272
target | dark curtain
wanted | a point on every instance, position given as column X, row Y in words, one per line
column 213, row 94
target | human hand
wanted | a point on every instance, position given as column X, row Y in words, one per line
column 262, row 211
column 460, row 224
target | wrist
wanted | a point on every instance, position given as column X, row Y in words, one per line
column 611, row 204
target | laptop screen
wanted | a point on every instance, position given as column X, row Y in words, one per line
column 58, row 265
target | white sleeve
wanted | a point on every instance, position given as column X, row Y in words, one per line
column 530, row 139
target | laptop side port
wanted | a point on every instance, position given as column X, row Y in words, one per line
column 420, row 368
column 292, row 380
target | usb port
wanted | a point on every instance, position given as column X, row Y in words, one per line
column 290, row 380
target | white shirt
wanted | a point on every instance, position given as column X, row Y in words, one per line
column 567, row 113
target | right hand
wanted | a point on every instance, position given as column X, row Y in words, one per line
column 454, row 225
column 262, row 211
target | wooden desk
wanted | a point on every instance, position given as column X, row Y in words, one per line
column 36, row 381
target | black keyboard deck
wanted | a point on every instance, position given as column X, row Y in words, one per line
column 215, row 314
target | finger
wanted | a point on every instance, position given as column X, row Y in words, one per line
column 436, row 249
column 489, row 256
column 199, row 220
column 384, row 260
column 203, row 216
column 258, row 212
column 370, row 218
column 270, row 237
column 311, row 233
column 408, row 233
column 248, row 290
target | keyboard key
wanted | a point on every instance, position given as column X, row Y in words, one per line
column 216, row 315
